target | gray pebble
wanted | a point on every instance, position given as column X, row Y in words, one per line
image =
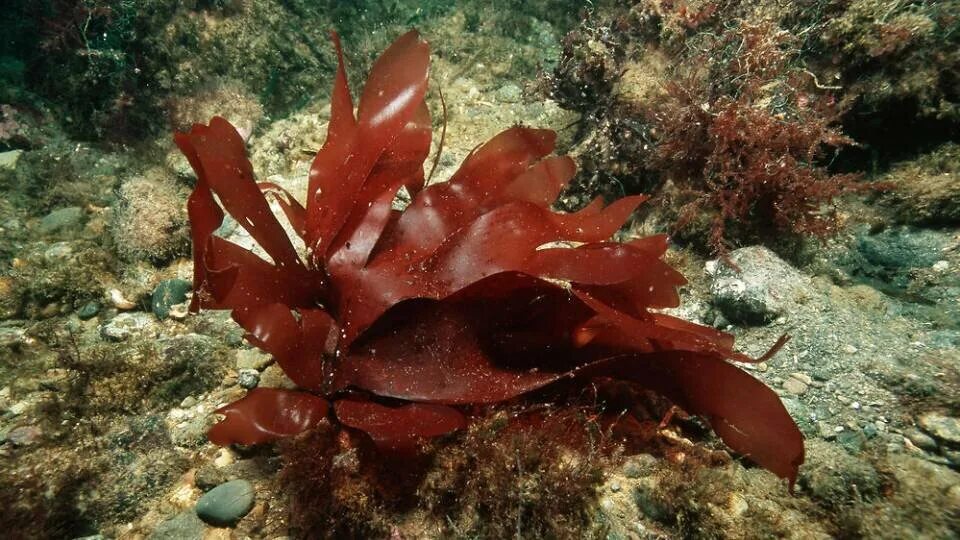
column 61, row 219
column 184, row 526
column 124, row 325
column 225, row 504
column 248, row 378
column 88, row 310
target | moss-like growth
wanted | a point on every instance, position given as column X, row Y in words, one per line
column 63, row 275
column 534, row 476
column 150, row 222
column 926, row 191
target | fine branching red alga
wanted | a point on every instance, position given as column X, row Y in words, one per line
column 397, row 324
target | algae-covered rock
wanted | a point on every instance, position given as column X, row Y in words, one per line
column 926, row 191
column 834, row 477
column 150, row 222
column 65, row 273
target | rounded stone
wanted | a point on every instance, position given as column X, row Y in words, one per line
column 167, row 294
column 248, row 378
column 225, row 504
column 183, row 526
column 945, row 428
column 125, row 325
column 63, row 219
column 88, row 310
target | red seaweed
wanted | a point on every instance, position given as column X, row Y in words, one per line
column 394, row 321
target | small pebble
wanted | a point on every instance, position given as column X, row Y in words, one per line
column 118, row 301
column 89, row 310
column 795, row 386
column 225, row 504
column 248, row 378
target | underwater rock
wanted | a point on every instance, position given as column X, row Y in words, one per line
column 252, row 359
column 63, row 219
column 942, row 427
column 188, row 427
column 150, row 222
column 9, row 159
column 921, row 440
column 119, row 301
column 901, row 248
column 835, row 477
column 926, row 191
column 248, row 378
column 89, row 310
column 760, row 291
column 24, row 435
column 184, row 526
column 225, row 504
column 509, row 93
column 167, row 294
column 125, row 325
column 10, row 302
column 796, row 385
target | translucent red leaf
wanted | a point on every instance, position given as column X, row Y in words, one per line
column 223, row 164
column 441, row 209
column 295, row 212
column 234, row 277
column 267, row 414
column 297, row 345
column 392, row 97
column 432, row 354
column 745, row 413
column 399, row 429
column 542, row 183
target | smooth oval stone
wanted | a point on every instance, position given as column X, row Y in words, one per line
column 225, row 504
column 89, row 310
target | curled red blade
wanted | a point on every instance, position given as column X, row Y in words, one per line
column 267, row 414
column 399, row 429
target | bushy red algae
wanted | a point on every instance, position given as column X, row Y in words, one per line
column 398, row 321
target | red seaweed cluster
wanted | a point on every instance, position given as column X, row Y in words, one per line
column 395, row 323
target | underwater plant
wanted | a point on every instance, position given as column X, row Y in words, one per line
column 396, row 322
